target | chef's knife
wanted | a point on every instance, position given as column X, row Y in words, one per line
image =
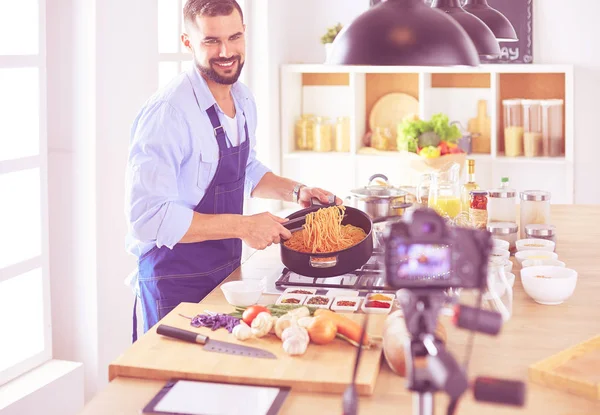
column 211, row 345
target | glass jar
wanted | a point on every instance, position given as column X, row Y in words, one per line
column 502, row 203
column 478, row 208
column 303, row 132
column 535, row 208
column 532, row 127
column 342, row 134
column 381, row 138
column 322, row 139
column 553, row 138
column 507, row 231
column 535, row 231
column 513, row 127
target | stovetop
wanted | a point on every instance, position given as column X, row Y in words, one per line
column 370, row 277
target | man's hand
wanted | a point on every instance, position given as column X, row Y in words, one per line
column 264, row 229
column 307, row 193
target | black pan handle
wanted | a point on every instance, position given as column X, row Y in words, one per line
column 185, row 335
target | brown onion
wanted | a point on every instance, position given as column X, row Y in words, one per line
column 322, row 330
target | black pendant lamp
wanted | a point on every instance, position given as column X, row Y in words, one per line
column 483, row 38
column 404, row 32
column 496, row 21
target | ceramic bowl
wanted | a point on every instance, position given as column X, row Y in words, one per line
column 499, row 253
column 549, row 285
column 535, row 245
column 243, row 293
column 541, row 262
column 501, row 244
column 534, row 255
column 500, row 261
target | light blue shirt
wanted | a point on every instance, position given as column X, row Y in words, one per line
column 173, row 157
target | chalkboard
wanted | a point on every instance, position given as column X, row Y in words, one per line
column 520, row 14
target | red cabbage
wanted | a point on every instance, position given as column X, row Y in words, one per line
column 215, row 321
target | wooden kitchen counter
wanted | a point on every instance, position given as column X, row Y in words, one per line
column 534, row 333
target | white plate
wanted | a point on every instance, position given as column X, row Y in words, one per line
column 309, row 297
column 351, row 309
column 373, row 310
column 282, row 297
column 340, row 292
column 290, row 289
column 391, row 297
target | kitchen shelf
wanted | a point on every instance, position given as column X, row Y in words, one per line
column 333, row 90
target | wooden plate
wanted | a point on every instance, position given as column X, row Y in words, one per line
column 391, row 109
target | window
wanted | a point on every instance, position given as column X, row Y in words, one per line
column 24, row 281
column 173, row 58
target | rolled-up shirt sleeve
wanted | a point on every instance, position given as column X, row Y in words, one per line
column 158, row 147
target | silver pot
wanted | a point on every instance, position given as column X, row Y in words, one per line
column 379, row 200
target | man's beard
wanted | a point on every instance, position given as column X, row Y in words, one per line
column 210, row 73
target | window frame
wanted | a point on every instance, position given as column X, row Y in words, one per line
column 39, row 161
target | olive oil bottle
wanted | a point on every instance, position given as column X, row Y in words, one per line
column 470, row 185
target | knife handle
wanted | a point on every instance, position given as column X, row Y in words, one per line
column 185, row 335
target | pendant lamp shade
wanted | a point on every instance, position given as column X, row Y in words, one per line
column 496, row 21
column 483, row 38
column 403, row 32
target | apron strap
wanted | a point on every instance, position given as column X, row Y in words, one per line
column 218, row 129
column 134, row 331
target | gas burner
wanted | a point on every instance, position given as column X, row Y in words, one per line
column 370, row 277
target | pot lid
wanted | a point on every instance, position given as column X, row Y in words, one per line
column 381, row 189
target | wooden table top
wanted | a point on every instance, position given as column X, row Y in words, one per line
column 534, row 333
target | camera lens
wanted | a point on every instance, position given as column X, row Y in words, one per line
column 427, row 227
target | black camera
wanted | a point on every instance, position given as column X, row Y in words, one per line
column 422, row 251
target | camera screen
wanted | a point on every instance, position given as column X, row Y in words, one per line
column 423, row 262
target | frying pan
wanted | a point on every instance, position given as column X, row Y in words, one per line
column 332, row 264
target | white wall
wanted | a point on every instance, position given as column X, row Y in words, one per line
column 567, row 32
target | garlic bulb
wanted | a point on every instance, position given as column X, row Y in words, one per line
column 262, row 324
column 305, row 321
column 295, row 331
column 242, row 331
column 295, row 345
column 283, row 323
column 275, row 320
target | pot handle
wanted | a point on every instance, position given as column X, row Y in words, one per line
column 328, row 262
column 400, row 205
column 379, row 176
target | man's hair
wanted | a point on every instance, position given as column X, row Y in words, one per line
column 210, row 8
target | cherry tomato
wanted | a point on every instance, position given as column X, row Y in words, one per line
column 251, row 312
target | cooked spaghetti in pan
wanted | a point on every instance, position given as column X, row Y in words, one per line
column 323, row 232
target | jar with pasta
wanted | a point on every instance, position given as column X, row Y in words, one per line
column 478, row 208
column 342, row 135
column 322, row 137
column 513, row 127
column 381, row 138
column 535, row 209
column 532, row 125
column 303, row 132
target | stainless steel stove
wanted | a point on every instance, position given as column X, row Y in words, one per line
column 370, row 277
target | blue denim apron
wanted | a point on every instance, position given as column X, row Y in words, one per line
column 189, row 272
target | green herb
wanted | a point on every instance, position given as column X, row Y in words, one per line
column 276, row 310
column 331, row 34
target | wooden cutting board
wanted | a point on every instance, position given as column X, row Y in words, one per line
column 481, row 128
column 321, row 369
column 575, row 370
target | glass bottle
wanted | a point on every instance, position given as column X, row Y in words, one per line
column 502, row 203
column 342, row 135
column 303, row 132
column 513, row 127
column 469, row 186
column 552, row 128
column 532, row 123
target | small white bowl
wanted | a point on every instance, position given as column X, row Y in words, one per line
column 310, row 297
column 243, row 293
column 542, row 262
column 501, row 244
column 307, row 291
column 499, row 261
column 534, row 255
column 351, row 309
column 535, row 245
column 549, row 285
column 499, row 253
column 376, row 310
column 341, row 292
column 284, row 297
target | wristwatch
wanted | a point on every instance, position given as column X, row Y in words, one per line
column 296, row 192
